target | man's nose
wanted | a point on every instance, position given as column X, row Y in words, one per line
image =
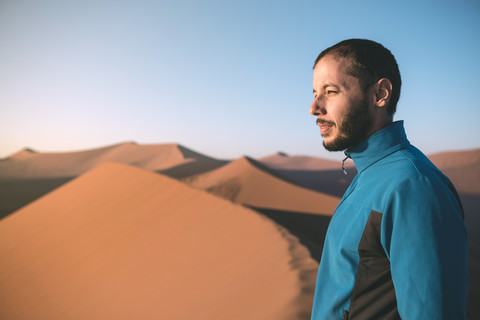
column 317, row 107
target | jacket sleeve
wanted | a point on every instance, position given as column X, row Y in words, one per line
column 424, row 237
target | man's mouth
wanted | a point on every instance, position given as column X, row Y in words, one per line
column 325, row 126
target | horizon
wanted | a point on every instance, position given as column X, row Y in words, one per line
column 223, row 79
column 279, row 152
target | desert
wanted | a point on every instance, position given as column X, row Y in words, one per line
column 132, row 231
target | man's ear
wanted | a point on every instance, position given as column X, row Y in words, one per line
column 383, row 92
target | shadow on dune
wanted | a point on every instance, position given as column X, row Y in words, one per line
column 188, row 169
column 260, row 166
column 310, row 229
column 17, row 193
column 471, row 205
column 331, row 182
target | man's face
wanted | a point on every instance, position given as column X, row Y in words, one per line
column 343, row 109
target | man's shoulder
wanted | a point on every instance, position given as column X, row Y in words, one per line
column 408, row 177
column 407, row 164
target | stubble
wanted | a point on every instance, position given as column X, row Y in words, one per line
column 353, row 129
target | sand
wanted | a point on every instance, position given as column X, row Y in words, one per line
column 124, row 243
column 247, row 181
column 27, row 174
column 325, row 176
column 28, row 163
column 283, row 161
column 462, row 167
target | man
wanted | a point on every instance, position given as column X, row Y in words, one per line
column 396, row 245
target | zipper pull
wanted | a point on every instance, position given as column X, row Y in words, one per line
column 343, row 164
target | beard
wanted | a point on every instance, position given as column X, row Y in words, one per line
column 353, row 129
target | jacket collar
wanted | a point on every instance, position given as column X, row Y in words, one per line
column 378, row 145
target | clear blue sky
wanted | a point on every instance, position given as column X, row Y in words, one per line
column 226, row 78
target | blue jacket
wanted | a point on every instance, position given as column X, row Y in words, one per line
column 396, row 246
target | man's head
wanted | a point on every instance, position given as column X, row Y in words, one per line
column 356, row 84
column 369, row 61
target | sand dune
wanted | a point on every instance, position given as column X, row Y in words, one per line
column 124, row 243
column 455, row 158
column 318, row 174
column 27, row 175
column 462, row 167
column 30, row 164
column 16, row 193
column 249, row 182
column 285, row 162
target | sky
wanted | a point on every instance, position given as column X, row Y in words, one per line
column 224, row 78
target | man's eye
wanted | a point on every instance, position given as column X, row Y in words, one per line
column 331, row 91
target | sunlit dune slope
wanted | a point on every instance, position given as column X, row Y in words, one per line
column 249, row 182
column 30, row 164
column 123, row 243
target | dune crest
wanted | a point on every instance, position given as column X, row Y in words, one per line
column 22, row 154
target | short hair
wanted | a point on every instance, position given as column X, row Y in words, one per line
column 369, row 62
